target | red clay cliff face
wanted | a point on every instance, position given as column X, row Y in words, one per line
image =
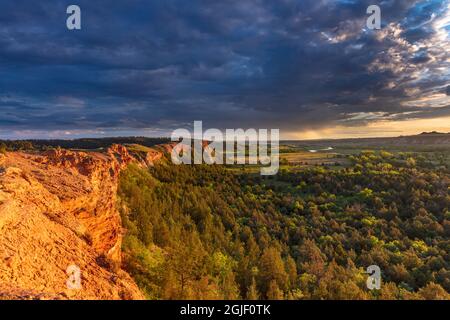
column 59, row 209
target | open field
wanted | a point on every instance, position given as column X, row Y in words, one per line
column 429, row 150
column 314, row 158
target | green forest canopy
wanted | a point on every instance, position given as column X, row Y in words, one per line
column 204, row 232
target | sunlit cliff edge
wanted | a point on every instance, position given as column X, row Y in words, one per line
column 58, row 208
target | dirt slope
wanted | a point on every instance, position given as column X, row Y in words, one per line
column 56, row 210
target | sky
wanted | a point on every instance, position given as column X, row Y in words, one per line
column 310, row 68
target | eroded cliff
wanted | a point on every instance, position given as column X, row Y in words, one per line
column 58, row 209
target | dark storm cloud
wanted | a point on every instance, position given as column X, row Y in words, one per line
column 161, row 64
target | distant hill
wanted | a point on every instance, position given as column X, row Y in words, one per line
column 432, row 133
column 427, row 140
column 424, row 139
column 83, row 143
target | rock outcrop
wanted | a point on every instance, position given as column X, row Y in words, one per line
column 58, row 209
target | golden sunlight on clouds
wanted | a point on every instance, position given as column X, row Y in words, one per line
column 434, row 100
column 374, row 129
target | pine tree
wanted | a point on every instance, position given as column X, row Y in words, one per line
column 274, row 292
column 252, row 291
